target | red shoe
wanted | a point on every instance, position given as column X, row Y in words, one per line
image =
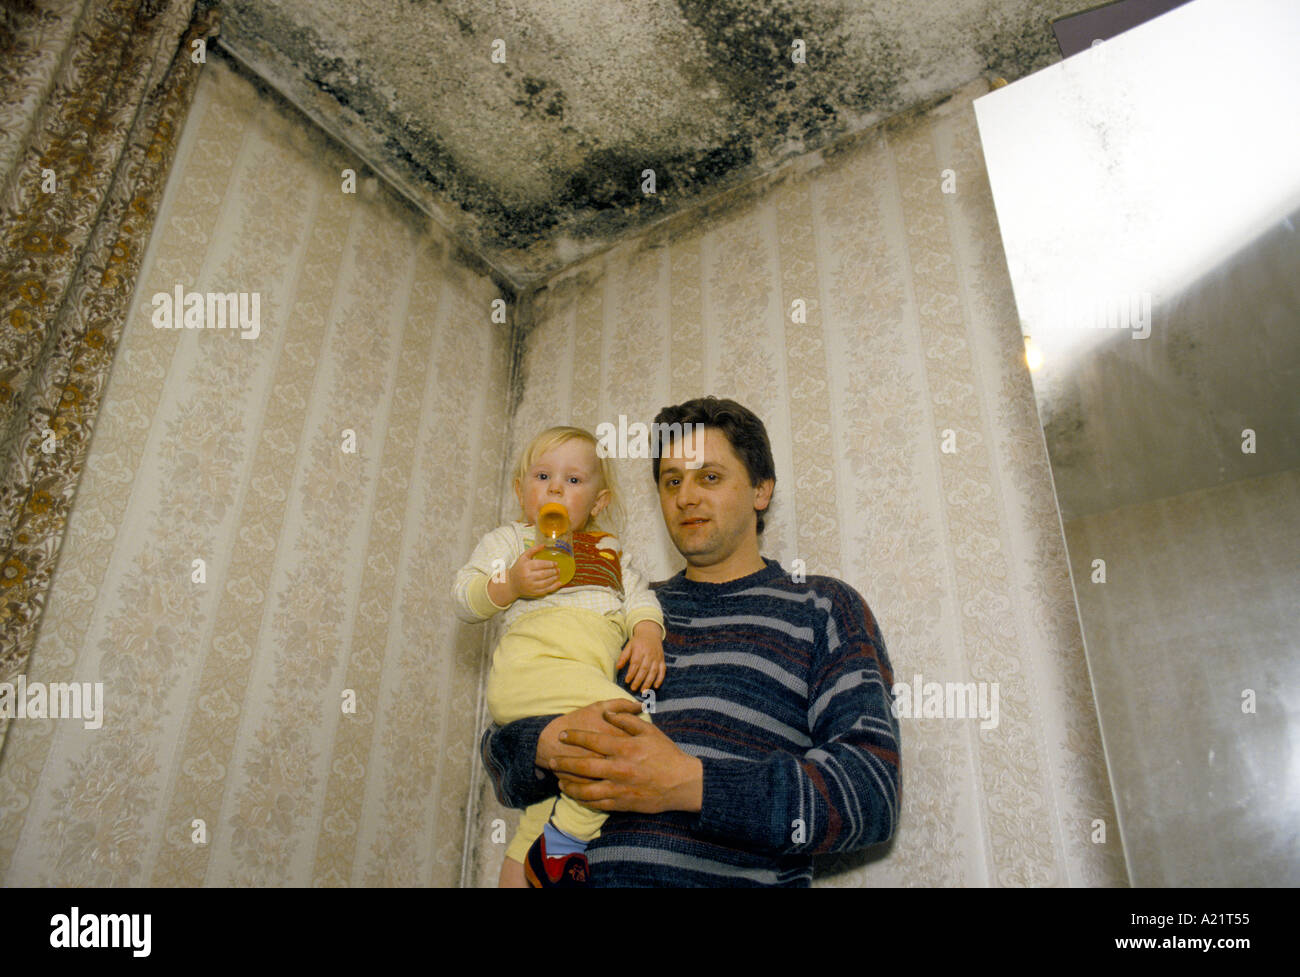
column 569, row 872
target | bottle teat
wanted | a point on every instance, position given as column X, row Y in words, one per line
column 553, row 519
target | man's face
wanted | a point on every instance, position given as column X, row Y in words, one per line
column 706, row 498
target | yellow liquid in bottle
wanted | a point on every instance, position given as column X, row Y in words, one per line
column 562, row 559
column 552, row 524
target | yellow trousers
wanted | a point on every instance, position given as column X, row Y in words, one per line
column 555, row 659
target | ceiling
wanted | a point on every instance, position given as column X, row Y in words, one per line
column 538, row 160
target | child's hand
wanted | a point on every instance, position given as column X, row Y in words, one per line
column 646, row 653
column 533, row 578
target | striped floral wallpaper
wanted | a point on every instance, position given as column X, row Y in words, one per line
column 910, row 463
column 324, row 569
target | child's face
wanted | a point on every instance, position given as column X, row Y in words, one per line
column 567, row 473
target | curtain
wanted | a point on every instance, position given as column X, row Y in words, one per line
column 93, row 96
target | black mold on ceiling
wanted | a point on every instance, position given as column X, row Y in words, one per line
column 537, row 160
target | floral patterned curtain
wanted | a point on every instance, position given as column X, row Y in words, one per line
column 93, row 95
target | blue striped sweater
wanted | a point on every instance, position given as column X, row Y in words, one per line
column 782, row 690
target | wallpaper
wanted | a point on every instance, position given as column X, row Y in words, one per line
column 256, row 567
column 861, row 307
column 301, row 708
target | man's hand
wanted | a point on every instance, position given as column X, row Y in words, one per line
column 635, row 768
column 590, row 718
column 645, row 650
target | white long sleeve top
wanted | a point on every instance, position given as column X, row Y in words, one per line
column 498, row 550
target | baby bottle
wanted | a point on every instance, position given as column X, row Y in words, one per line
column 553, row 529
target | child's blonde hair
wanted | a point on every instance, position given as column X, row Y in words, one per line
column 611, row 519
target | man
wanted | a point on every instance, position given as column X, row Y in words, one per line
column 773, row 735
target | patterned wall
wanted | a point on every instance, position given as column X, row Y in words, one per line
column 911, row 331
column 325, row 570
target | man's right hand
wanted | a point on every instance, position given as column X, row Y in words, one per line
column 590, row 718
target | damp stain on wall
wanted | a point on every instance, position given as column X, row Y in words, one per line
column 532, row 128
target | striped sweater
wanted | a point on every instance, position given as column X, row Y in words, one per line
column 782, row 690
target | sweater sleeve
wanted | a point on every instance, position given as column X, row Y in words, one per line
column 495, row 553
column 509, row 755
column 843, row 792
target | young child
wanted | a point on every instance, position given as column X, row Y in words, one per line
column 561, row 647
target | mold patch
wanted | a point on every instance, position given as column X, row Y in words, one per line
column 1016, row 44
column 549, row 146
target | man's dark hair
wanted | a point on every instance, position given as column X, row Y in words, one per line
column 741, row 425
